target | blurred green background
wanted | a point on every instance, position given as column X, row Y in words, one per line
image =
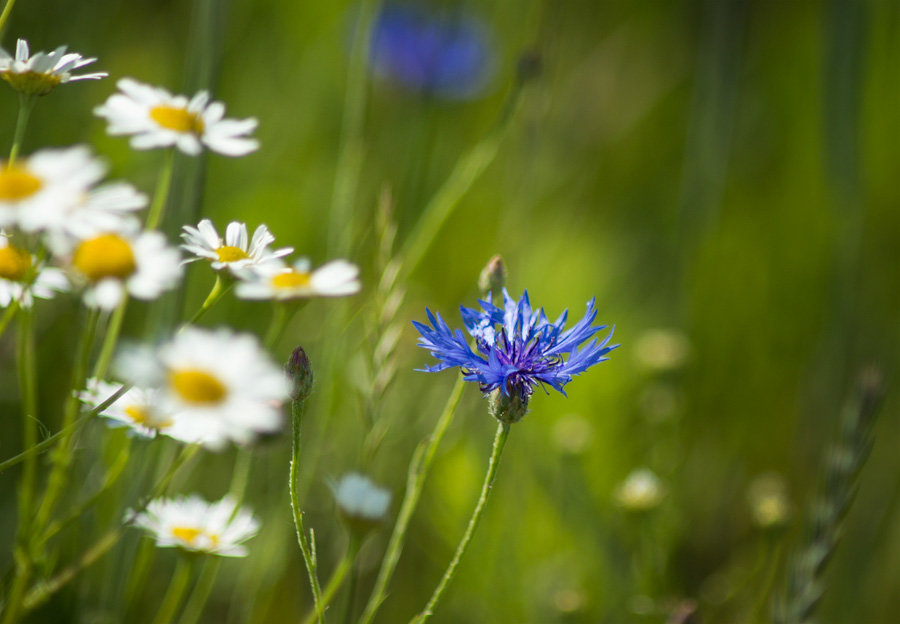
column 724, row 171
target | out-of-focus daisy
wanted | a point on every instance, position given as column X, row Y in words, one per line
column 114, row 264
column 156, row 118
column 40, row 189
column 39, row 73
column 337, row 278
column 236, row 252
column 361, row 503
column 217, row 386
column 21, row 281
column 640, row 491
column 192, row 524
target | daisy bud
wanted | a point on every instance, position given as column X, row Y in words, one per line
column 508, row 408
column 361, row 504
column 493, row 276
column 300, row 374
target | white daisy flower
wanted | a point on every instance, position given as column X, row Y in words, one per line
column 38, row 74
column 235, row 252
column 114, row 264
column 216, row 386
column 20, row 281
column 337, row 278
column 192, row 524
column 41, row 189
column 133, row 409
column 156, row 118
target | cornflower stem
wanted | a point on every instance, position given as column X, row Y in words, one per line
column 62, row 454
column 493, row 463
column 5, row 14
column 161, row 194
column 25, row 357
column 179, row 582
column 415, row 482
column 308, row 559
column 26, row 103
column 337, row 578
column 48, row 442
column 8, row 315
column 41, row 592
column 113, row 329
column 219, row 289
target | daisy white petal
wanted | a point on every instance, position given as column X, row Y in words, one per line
column 337, row 278
column 40, row 73
column 235, row 252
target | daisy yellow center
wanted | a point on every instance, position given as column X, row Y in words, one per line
column 107, row 255
column 177, row 119
column 229, row 253
column 14, row 263
column 197, row 386
column 188, row 535
column 31, row 82
column 17, row 183
column 291, row 279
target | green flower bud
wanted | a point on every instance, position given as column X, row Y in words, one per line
column 300, row 373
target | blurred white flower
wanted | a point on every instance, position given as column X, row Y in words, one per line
column 640, row 491
column 17, row 282
column 133, row 409
column 360, row 501
column 192, row 524
column 104, row 209
column 156, row 118
column 337, row 278
column 769, row 502
column 39, row 73
column 237, row 252
column 41, row 189
column 214, row 385
column 113, row 264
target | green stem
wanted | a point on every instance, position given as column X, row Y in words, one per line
column 177, row 585
column 336, row 580
column 42, row 591
column 8, row 315
column 308, row 558
column 499, row 442
column 48, row 442
column 219, row 289
column 161, row 194
column 200, row 594
column 26, row 103
column 354, row 580
column 415, row 482
column 62, row 454
column 5, row 15
column 110, row 340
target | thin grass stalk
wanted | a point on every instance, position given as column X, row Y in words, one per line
column 8, row 315
column 41, row 592
column 193, row 609
column 493, row 464
column 177, row 586
column 309, row 559
column 415, row 482
column 7, row 9
column 805, row 582
column 26, row 104
column 161, row 193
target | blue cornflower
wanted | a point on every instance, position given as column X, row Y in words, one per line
column 445, row 54
column 516, row 348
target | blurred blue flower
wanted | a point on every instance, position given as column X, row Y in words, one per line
column 445, row 54
column 516, row 348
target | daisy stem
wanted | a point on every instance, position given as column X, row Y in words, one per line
column 161, row 194
column 177, row 585
column 26, row 103
column 113, row 329
column 8, row 315
column 219, row 289
column 337, row 579
column 308, row 559
column 415, row 482
column 499, row 442
column 5, row 14
column 200, row 594
column 62, row 454
column 26, row 353
column 43, row 590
